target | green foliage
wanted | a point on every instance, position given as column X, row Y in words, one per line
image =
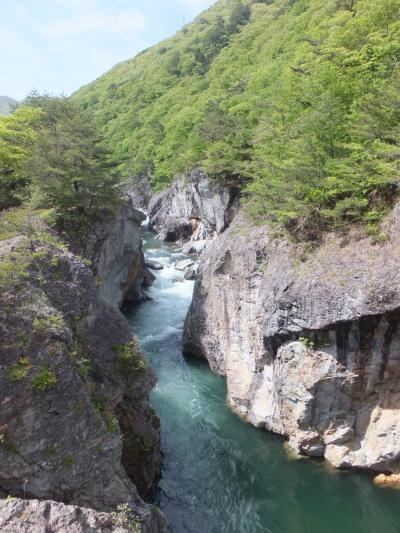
column 51, row 158
column 130, row 358
column 14, row 222
column 298, row 103
column 68, row 169
column 49, row 325
column 13, row 269
column 112, row 424
column 308, row 343
column 99, row 402
column 125, row 517
column 44, row 380
column 68, row 461
column 49, row 452
column 83, row 366
column 20, row 370
column 17, row 138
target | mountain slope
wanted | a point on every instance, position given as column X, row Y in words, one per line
column 7, row 105
column 295, row 101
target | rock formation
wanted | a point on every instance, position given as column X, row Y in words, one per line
column 193, row 210
column 140, row 192
column 114, row 249
column 308, row 338
column 75, row 423
column 33, row 516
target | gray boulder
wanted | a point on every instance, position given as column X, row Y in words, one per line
column 33, row 516
column 184, row 264
column 190, row 274
column 154, row 265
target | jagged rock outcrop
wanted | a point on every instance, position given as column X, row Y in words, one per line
column 308, row 338
column 192, row 210
column 140, row 192
column 33, row 516
column 114, row 248
column 75, row 422
column 118, row 258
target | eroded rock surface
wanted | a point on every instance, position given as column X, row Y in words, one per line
column 75, row 422
column 33, row 516
column 308, row 339
column 115, row 252
column 193, row 209
column 118, row 259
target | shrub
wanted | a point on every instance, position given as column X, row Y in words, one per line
column 48, row 325
column 44, row 380
column 308, row 343
column 20, row 369
column 99, row 402
column 83, row 366
column 124, row 516
column 13, row 270
column 112, row 424
column 130, row 358
column 68, row 461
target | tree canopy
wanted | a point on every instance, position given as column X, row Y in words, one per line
column 50, row 155
column 295, row 101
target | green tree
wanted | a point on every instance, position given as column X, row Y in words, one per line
column 68, row 168
column 17, row 138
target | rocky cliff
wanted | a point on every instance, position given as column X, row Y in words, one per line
column 193, row 210
column 75, row 423
column 114, row 248
column 308, row 338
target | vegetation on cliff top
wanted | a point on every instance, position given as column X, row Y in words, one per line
column 51, row 158
column 295, row 101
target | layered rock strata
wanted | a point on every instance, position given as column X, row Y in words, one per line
column 308, row 338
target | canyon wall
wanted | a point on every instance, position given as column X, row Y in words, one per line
column 307, row 335
column 193, row 210
column 75, row 422
column 113, row 247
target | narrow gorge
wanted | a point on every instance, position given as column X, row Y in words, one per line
column 199, row 268
column 309, row 381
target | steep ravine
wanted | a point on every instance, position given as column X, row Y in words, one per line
column 306, row 334
column 219, row 474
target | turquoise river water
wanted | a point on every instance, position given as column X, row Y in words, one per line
column 221, row 475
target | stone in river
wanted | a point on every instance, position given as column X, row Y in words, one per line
column 154, row 265
column 183, row 265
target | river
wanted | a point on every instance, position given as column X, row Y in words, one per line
column 221, row 475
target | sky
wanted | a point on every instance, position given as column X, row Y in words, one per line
column 56, row 46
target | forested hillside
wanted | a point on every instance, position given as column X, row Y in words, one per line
column 297, row 101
